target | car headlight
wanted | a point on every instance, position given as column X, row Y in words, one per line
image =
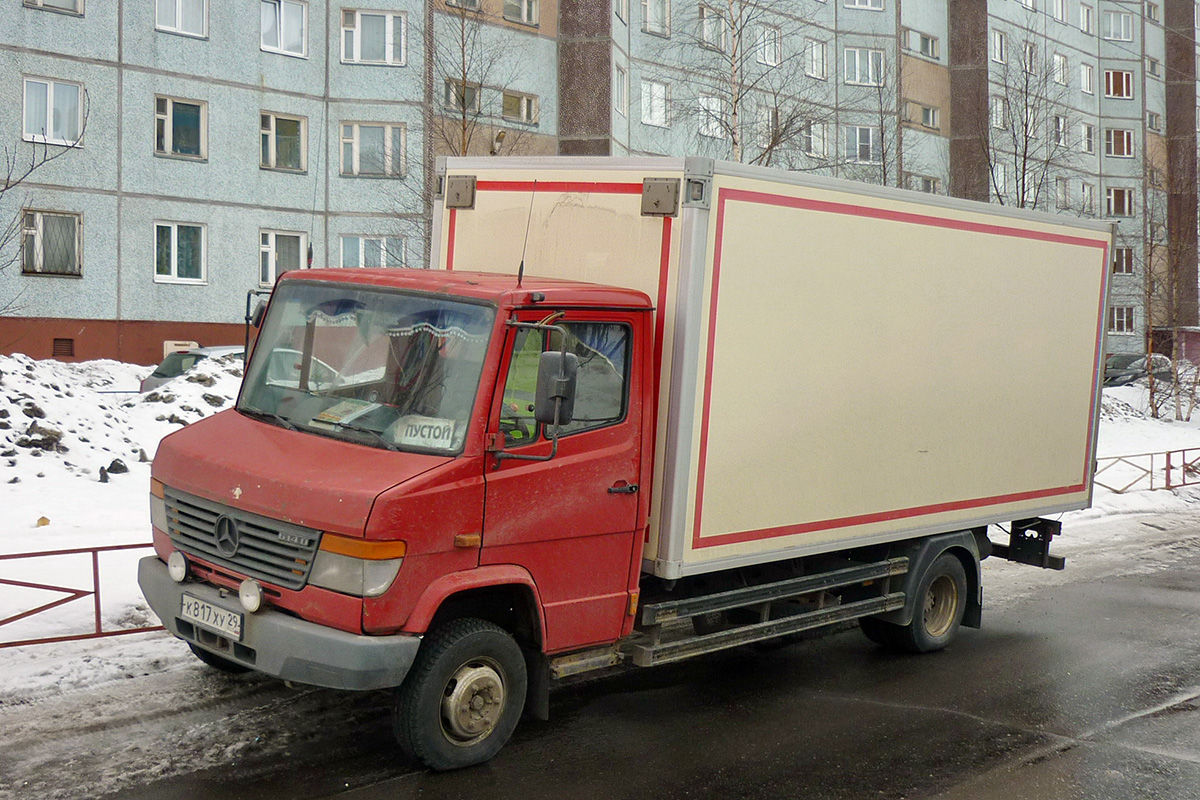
column 356, row 567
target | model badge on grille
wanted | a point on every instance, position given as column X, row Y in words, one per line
column 228, row 539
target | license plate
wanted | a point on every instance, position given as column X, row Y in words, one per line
column 215, row 618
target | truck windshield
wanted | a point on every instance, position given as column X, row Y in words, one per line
column 381, row 368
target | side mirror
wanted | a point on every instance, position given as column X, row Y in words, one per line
column 554, row 403
column 257, row 317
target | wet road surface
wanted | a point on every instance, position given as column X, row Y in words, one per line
column 1086, row 689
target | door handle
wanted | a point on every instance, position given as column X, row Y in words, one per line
column 623, row 488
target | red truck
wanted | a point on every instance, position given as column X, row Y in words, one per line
column 736, row 404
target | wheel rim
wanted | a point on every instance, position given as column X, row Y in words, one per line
column 941, row 605
column 473, row 702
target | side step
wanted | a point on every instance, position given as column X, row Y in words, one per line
column 762, row 597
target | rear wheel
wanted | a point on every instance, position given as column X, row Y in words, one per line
column 463, row 697
column 217, row 662
column 941, row 596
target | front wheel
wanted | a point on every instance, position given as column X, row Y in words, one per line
column 463, row 697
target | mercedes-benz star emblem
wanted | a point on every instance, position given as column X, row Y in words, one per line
column 226, row 531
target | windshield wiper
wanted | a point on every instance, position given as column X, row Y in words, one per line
column 269, row 416
column 357, row 429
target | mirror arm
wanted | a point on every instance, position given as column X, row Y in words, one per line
column 553, row 450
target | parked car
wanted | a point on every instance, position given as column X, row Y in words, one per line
column 1121, row 369
column 175, row 364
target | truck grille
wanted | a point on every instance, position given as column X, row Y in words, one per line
column 260, row 547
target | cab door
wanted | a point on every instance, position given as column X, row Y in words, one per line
column 572, row 520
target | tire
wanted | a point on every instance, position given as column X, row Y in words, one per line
column 217, row 662
column 463, row 697
column 941, row 600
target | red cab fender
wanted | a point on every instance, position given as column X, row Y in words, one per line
column 487, row 577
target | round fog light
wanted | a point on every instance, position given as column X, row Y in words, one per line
column 250, row 593
column 177, row 566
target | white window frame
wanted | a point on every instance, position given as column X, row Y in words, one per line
column 713, row 30
column 1087, row 197
column 854, row 144
column 922, row 183
column 177, row 27
column 999, row 47
column 1062, row 192
column 650, row 24
column 1087, row 137
column 1029, row 58
column 770, row 45
column 1110, row 84
column 33, row 225
column 527, row 105
column 813, row 137
column 1116, row 26
column 76, row 9
column 1062, row 131
column 1059, row 10
column 1118, row 142
column 621, row 89
column 1152, row 12
column 280, row 19
column 649, row 95
column 1121, row 320
column 621, row 9
column 1028, row 4
column 1087, row 78
column 712, row 119
column 928, row 46
column 1122, row 263
column 382, row 240
column 854, row 61
column 817, row 63
column 451, row 96
column 998, row 112
column 269, row 131
column 524, row 12
column 395, row 28
column 395, row 165
column 930, row 118
column 173, row 277
column 1154, row 67
column 52, row 86
column 1087, row 19
column 1127, row 209
column 166, row 119
column 870, row 5
column 1000, row 179
column 1062, row 69
column 1154, row 120
column 268, row 250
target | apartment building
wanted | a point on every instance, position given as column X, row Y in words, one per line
column 224, row 141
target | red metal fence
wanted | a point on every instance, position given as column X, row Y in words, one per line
column 71, row 595
column 1149, row 471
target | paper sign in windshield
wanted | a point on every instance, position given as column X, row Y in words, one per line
column 416, row 431
column 344, row 412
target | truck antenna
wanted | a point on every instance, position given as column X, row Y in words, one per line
column 525, row 244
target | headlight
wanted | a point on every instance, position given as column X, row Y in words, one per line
column 177, row 566
column 357, row 567
column 158, row 506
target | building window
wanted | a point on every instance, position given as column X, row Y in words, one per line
column 1122, row 261
column 1061, row 135
column 283, row 26
column 373, row 149
column 462, row 97
column 999, row 113
column 999, row 47
column 180, row 127
column 1087, row 138
column 284, row 142
column 179, row 252
column 812, row 138
column 766, row 126
column 1059, row 10
column 372, row 251
column 1117, row 26
column 620, row 89
column 523, row 11
column 69, row 6
column 1152, row 12
column 518, row 107
column 1087, row 198
column 712, row 120
column 712, row 29
column 185, row 17
column 863, row 144
column 929, row 117
column 923, row 183
column 1119, row 202
column 1029, row 4
column 770, row 45
column 656, row 17
column 1029, row 58
column 1087, row 19
column 469, row 5
column 875, row 5
column 373, row 37
column 51, row 243
column 621, row 8
column 279, row 252
column 817, row 63
column 1118, row 83
column 1000, row 180
column 927, row 45
column 864, row 67
column 53, row 111
column 1118, row 142
column 1087, row 78
column 655, row 98
column 1062, row 72
column 1154, row 67
column 1154, row 120
column 1120, row 319
column 1062, row 192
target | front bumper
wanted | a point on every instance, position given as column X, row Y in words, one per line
column 281, row 645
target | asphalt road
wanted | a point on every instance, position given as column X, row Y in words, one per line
column 1088, row 688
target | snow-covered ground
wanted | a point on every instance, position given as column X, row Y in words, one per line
column 62, row 424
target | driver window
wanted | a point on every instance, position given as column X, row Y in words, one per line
column 516, row 416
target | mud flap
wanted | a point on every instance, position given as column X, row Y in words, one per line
column 537, row 695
